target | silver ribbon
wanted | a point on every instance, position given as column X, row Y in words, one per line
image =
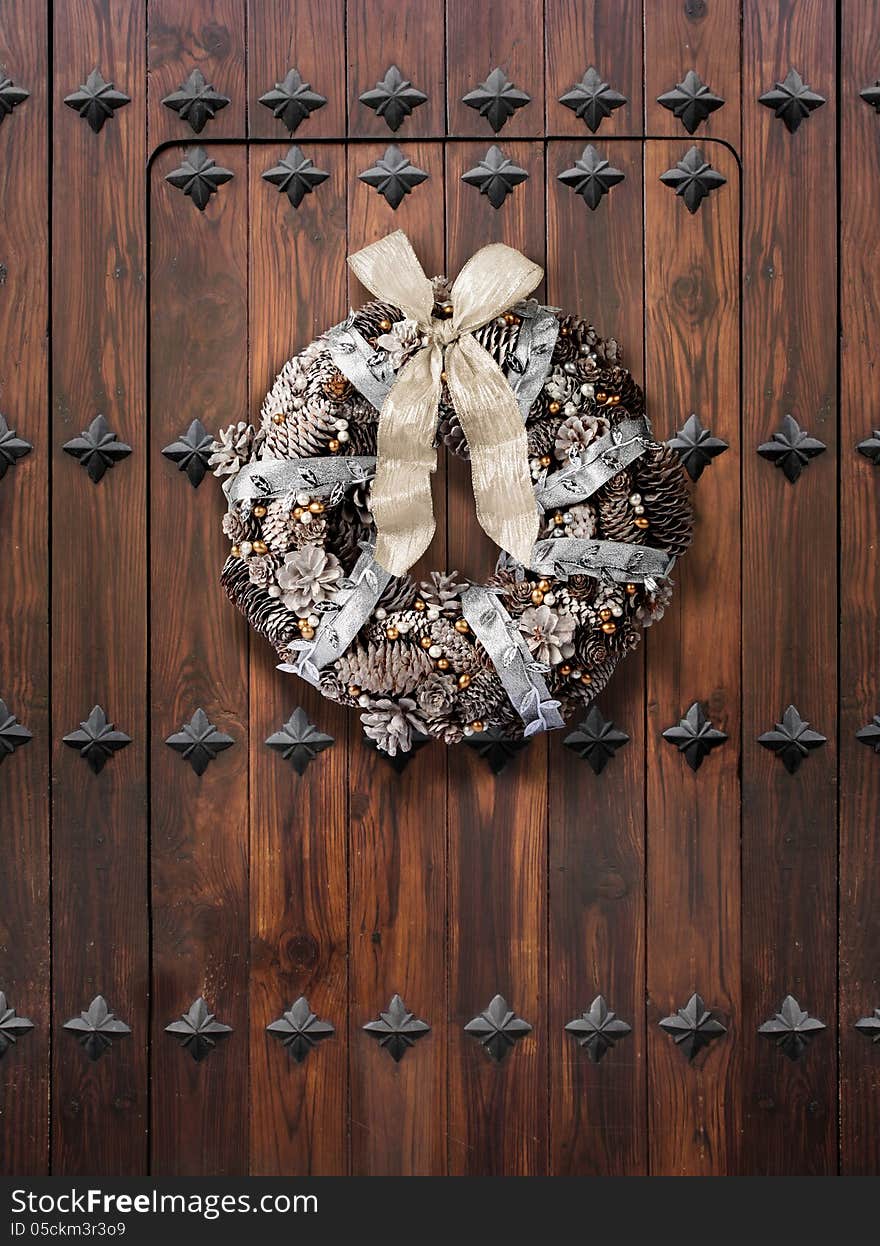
column 367, row 369
column 604, row 458
column 613, row 560
column 520, row 674
column 276, row 478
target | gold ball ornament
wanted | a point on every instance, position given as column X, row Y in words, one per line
column 259, row 512
column 461, row 625
column 642, row 522
column 333, row 445
column 464, row 681
column 260, row 547
column 279, row 417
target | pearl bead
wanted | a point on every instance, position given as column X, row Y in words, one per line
column 313, row 620
column 468, row 731
column 604, row 614
column 306, row 517
column 586, row 679
column 554, row 408
column 342, row 435
column 588, row 390
column 642, row 522
column 576, row 674
column 443, row 664
column 545, row 460
column 392, row 633
column 544, row 585
column 385, row 325
column 363, row 700
column 549, row 599
column 333, row 445
column 307, row 632
column 380, row 612
column 316, row 507
column 425, row 642
column 630, row 588
column 635, row 499
column 537, row 597
column 297, row 512
column 565, row 669
column 302, row 499
column 341, row 425
column 279, row 417
column 477, row 725
column 236, row 551
column 434, row 651
column 639, row 510
column 609, row 628
column 246, row 549
column 433, row 614
column 274, row 591
column 617, row 611
column 354, row 690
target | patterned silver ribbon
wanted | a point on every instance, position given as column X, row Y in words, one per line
column 367, row 369
column 605, row 457
column 612, row 560
column 276, row 478
column 518, row 671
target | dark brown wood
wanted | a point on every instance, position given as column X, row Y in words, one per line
column 606, row 34
column 24, row 587
column 412, row 38
column 596, row 861
column 310, row 38
column 790, row 590
column 99, row 595
column 503, row 34
column 859, row 593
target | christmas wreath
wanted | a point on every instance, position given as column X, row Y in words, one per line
column 329, row 505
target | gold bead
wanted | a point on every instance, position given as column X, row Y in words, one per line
column 554, row 407
column 586, row 679
column 559, row 518
column 463, row 681
column 443, row 664
column 605, row 614
column 642, row 522
column 307, row 632
column 630, row 588
column 447, row 309
column 260, row 547
column 545, row 460
column 426, row 642
column 601, row 396
column 461, row 625
column 563, row 332
column 544, row 586
column 419, row 605
column 443, row 376
column 301, row 623
column 478, row 725
column 392, row 633
column 297, row 512
column 385, row 325
column 354, row 690
column 259, row 512
column 235, row 551
column 565, row 669
column 279, row 417
column 537, row 596
column 333, row 445
column 509, row 318
column 614, row 400
column 316, row 508
column 609, row 628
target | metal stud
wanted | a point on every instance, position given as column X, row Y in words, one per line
column 598, row 1029
column 295, row 176
column 198, row 1031
column 869, row 735
column 96, row 1028
column 693, row 1027
column 596, row 740
column 400, row 761
column 791, row 1029
column 196, row 101
column 693, row 179
column 792, row 740
column 10, row 96
column 12, row 448
column 393, row 176
column 592, row 99
column 791, row 449
column 792, row 100
column 397, row 1029
column 299, row 741
column 199, row 741
column 869, row 1026
column 393, row 98
column 691, row 101
column 96, row 100
column 695, row 446
column 497, row 750
column 191, row 452
column 496, row 99
column 498, row 1028
column 870, row 447
column 97, row 448
column 695, row 736
column 591, row 176
column 495, row 176
column 97, row 740
column 292, row 101
column 299, row 1030
column 12, row 734
column 199, row 176
column 12, row 1027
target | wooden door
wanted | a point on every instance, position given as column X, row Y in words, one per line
column 698, row 894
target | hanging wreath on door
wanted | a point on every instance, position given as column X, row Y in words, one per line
column 329, row 505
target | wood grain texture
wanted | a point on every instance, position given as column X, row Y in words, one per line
column 202, row 34
column 198, row 659
column 299, row 824
column 790, row 591
column 398, row 833
column 24, row 581
column 309, row 37
column 859, row 595
column 596, row 860
column 693, row 939
column 99, row 597
column 606, row 34
column 413, row 39
column 503, row 34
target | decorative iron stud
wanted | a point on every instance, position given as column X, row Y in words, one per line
column 393, row 176
column 496, row 99
column 870, row 447
column 691, row 101
column 96, row 1028
column 695, row 736
column 495, row 176
column 693, row 179
column 792, row 1029
column 97, row 740
column 596, row 741
column 591, row 176
column 397, row 1029
column 598, row 1030
column 792, row 100
column 497, row 750
column 299, row 741
column 299, row 1030
column 199, row 741
column 869, row 735
column 196, row 101
column 393, row 97
column 12, row 734
column 292, row 101
column 10, row 97
column 869, row 1026
column 400, row 761
column 693, row 1027
column 191, row 452
column 199, row 176
column 695, row 446
column 12, row 1027
column 498, row 1028
column 592, row 99
column 871, row 95
column 96, row 100
column 12, row 448
column 198, row 1031
column 97, row 448
column 295, row 176
column 791, row 449
column 792, row 740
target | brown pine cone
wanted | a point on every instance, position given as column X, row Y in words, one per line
column 621, row 384
column 660, row 479
column 384, row 666
column 616, row 515
column 368, row 319
column 451, row 433
column 542, row 435
column 399, row 594
column 498, row 338
column 481, row 698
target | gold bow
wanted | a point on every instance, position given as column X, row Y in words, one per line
column 492, row 281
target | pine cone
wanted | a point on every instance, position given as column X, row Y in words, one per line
column 481, row 698
column 619, row 382
column 660, row 479
column 313, row 533
column 615, row 513
column 542, row 435
column 498, row 338
column 277, row 526
column 267, row 615
column 442, row 591
column 399, row 594
column 298, row 420
column 451, row 433
column 368, row 319
column 231, row 450
column 384, row 666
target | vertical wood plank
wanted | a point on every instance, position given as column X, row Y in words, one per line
column 299, row 831
column 204, row 35
column 598, row 1121
column 309, row 38
column 498, row 1113
column 859, row 594
column 604, row 34
column 413, row 39
column 790, row 592
column 398, row 828
column 24, row 581
column 693, row 892
column 496, row 34
column 99, row 600
column 198, row 660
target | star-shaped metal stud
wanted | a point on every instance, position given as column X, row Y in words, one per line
column 498, row 1028
column 12, row 734
column 792, row 100
column 691, row 101
column 198, row 1031
column 12, row 448
column 393, row 176
column 869, row 735
column 695, row 736
column 791, row 449
column 695, row 446
column 10, row 96
column 397, row 1029
column 870, row 448
column 592, row 99
column 199, row 176
column 12, row 1027
column 400, row 761
column 96, row 100
column 292, row 100
column 598, row 1030
column 693, row 178
column 199, row 741
column 869, row 1026
column 496, row 99
column 591, row 176
column 497, row 750
column 495, row 176
column 299, row 741
column 97, row 740
column 792, row 1029
column 196, row 101
column 96, row 1028
column 97, row 448
column 393, row 97
column 191, row 452
column 792, row 740
column 596, row 741
column 295, row 176
column 871, row 95
column 693, row 1027
column 299, row 1030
